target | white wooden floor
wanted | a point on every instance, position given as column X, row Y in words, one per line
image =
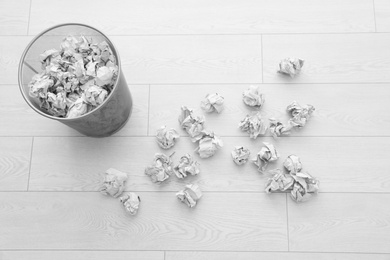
column 173, row 53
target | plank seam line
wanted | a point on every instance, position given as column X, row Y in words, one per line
column 373, row 5
column 226, row 34
column 29, row 168
column 147, row 130
column 29, row 17
column 262, row 58
column 178, row 250
column 288, row 228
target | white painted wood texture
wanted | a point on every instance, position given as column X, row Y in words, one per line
column 81, row 255
column 382, row 15
column 341, row 222
column 341, row 164
column 210, row 17
column 195, row 58
column 11, row 49
column 14, row 17
column 15, row 154
column 193, row 255
column 80, row 220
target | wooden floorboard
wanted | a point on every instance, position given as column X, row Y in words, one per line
column 382, row 15
column 212, row 17
column 341, row 164
column 15, row 154
column 81, row 255
column 342, row 58
column 11, row 49
column 193, row 255
column 338, row 111
column 190, row 59
column 79, row 220
column 341, row 223
column 14, row 17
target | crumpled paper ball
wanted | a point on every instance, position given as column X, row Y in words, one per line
column 166, row 138
column 160, row 169
column 212, row 102
column 187, row 166
column 190, row 195
column 254, row 125
column 266, row 154
column 209, row 143
column 114, row 182
column 291, row 66
column 300, row 114
column 277, row 128
column 240, row 155
column 130, row 202
column 252, row 97
column 192, row 124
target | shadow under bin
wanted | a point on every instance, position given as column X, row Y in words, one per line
column 106, row 119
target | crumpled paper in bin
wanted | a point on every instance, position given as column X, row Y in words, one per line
column 114, row 182
column 130, row 202
column 190, row 195
column 75, row 79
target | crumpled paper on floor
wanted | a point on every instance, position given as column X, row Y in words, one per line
column 252, row 97
column 293, row 164
column 300, row 114
column 191, row 123
column 190, row 195
column 291, row 66
column 161, row 168
column 166, row 138
column 187, row 166
column 209, row 143
column 279, row 181
column 212, row 102
column 254, row 125
column 301, row 184
column 75, row 79
column 114, row 182
column 130, row 202
column 277, row 128
column 304, row 186
column 240, row 155
column 266, row 154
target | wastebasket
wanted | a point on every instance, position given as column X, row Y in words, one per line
column 111, row 115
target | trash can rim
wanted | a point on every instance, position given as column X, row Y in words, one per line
column 20, row 80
